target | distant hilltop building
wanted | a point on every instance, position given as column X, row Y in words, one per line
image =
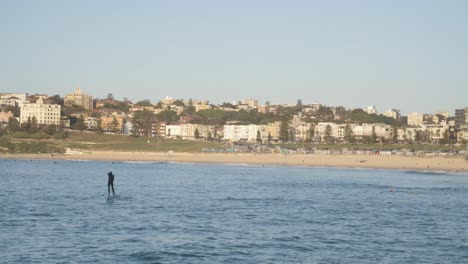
column 46, row 114
column 415, row 119
column 12, row 99
column 461, row 116
column 79, row 99
column 393, row 113
column 370, row 110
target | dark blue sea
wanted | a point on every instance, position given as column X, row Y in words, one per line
column 60, row 212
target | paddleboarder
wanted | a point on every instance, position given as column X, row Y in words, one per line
column 110, row 182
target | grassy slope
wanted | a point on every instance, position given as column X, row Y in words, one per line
column 91, row 141
column 128, row 143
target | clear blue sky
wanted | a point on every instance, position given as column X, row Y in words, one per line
column 410, row 55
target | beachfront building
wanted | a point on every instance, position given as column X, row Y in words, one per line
column 415, row 119
column 188, row 131
column 436, row 132
column 79, row 99
column 109, row 125
column 462, row 136
column 91, row 123
column 173, row 131
column 46, row 114
column 245, row 133
column 321, row 130
column 302, row 131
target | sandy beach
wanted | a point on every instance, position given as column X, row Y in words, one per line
column 449, row 164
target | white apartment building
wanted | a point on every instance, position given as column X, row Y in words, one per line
column 187, row 131
column 321, row 128
column 91, row 123
column 436, row 132
column 173, row 131
column 12, row 99
column 415, row 119
column 302, row 131
column 370, row 110
column 245, row 132
column 167, row 101
column 381, row 130
column 45, row 113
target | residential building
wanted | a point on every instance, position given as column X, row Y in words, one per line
column 415, row 119
column 408, row 133
column 187, row 131
column 393, row 113
column 302, row 131
column 244, row 132
column 273, row 129
column 173, row 131
column 380, row 130
column 79, row 99
column 12, row 99
column 167, row 101
column 106, row 122
column 251, row 102
column 370, row 110
column 461, row 116
column 436, row 132
column 158, row 129
column 91, row 123
column 321, row 128
column 46, row 114
column 5, row 116
column 462, row 136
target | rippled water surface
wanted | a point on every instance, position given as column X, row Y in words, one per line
column 59, row 212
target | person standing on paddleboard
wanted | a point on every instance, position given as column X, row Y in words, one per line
column 110, row 182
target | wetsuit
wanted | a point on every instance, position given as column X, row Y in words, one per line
column 110, row 183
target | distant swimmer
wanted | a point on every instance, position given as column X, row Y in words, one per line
column 110, row 182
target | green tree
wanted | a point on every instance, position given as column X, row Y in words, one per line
column 259, row 137
column 50, row 129
column 179, row 103
column 374, row 135
column 417, row 136
column 99, row 129
column 168, row 116
column 284, row 130
column 328, row 135
column 13, row 124
column 80, row 124
column 115, row 125
column 145, row 102
column 142, row 122
column 395, row 134
column 269, row 137
column 310, row 133
column 27, row 125
column 197, row 134
column 210, row 137
column 348, row 134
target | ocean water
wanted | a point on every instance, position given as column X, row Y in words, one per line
column 60, row 212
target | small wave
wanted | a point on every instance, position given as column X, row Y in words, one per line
column 146, row 256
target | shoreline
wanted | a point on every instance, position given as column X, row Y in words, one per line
column 432, row 164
